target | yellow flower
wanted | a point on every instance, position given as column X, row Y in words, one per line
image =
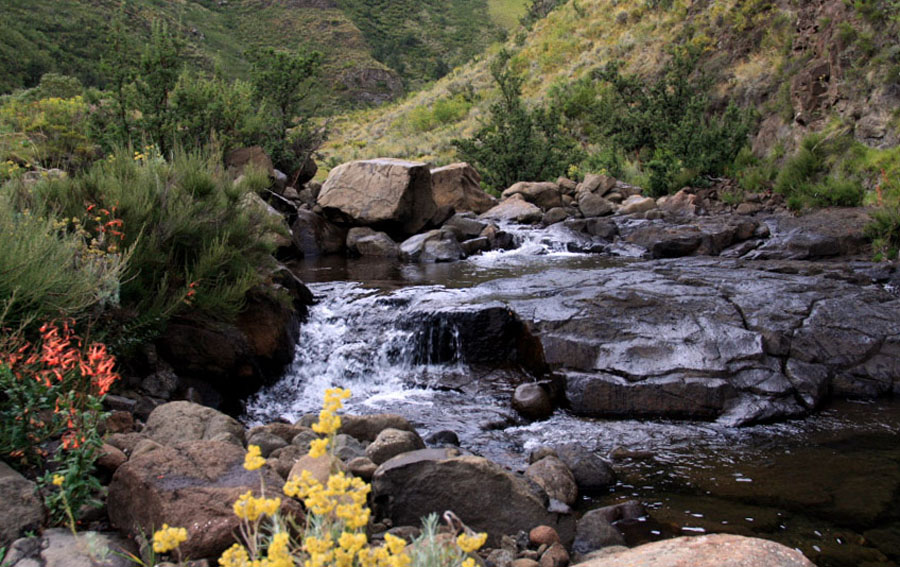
column 394, row 544
column 58, row 480
column 351, row 542
column 469, row 562
column 249, row 508
column 318, row 448
column 328, row 423
column 235, row 556
column 253, row 459
column 168, row 539
column 279, row 554
column 471, row 543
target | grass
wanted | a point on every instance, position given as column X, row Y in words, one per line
column 507, row 13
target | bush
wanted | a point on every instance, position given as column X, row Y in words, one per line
column 807, row 178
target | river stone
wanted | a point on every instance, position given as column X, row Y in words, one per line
column 458, row 185
column 592, row 473
column 532, row 401
column 475, row 245
column 545, row 195
column 58, row 547
column 392, row 442
column 267, row 442
column 319, row 467
column 412, row 248
column 177, row 422
column 110, row 458
column 543, row 535
column 286, row 431
column 555, row 556
column 391, row 194
column 191, row 485
column 637, row 204
column 486, row 497
column 443, row 250
column 304, row 437
column 20, row 508
column 468, row 227
column 555, row 478
column 378, row 245
column 367, row 427
column 346, row 447
column 515, row 209
column 719, row 550
column 594, row 531
column 282, row 460
column 363, row 467
column 312, row 235
column 592, row 205
column 555, row 215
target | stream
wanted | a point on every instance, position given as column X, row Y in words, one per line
column 827, row 484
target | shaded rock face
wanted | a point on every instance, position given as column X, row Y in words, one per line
column 192, row 485
column 459, row 186
column 20, row 508
column 386, row 194
column 706, row 339
column 706, row 551
column 484, row 495
column 312, row 235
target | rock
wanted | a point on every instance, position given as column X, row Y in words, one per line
column 468, row 227
column 390, row 194
column 543, row 535
column 566, row 185
column 237, row 160
column 118, row 422
column 283, row 460
column 363, row 241
column 627, row 511
column 443, row 250
column 822, row 234
column 637, row 204
column 524, row 562
column 271, row 329
column 594, row 532
column 443, row 438
column 592, row 205
column 306, row 172
column 542, row 194
column 597, row 184
column 347, row 447
column 267, row 442
column 363, row 467
column 515, row 209
column 161, row 384
column 748, row 208
column 500, row 558
column 555, row 556
column 532, row 401
column 475, row 245
column 57, row 547
column 110, row 458
column 20, row 508
column 367, row 427
column 484, row 496
column 412, row 248
column 305, row 437
column 718, row 550
column 392, row 442
column 312, row 235
column 285, row 431
column 458, row 185
column 499, row 239
column 591, row 473
column 191, row 485
column 555, row 478
column 319, row 467
column 125, row 442
column 555, row 215
column 178, row 422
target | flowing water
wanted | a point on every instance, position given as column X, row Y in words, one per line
column 828, row 485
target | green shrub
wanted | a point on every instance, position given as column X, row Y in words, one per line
column 444, row 111
column 811, row 176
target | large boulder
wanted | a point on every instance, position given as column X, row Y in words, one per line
column 20, row 508
column 192, row 485
column 545, row 195
column 718, row 550
column 459, row 186
column 484, row 495
column 178, row 422
column 254, row 156
column 390, row 194
column 515, row 209
column 392, row 442
column 555, row 478
column 312, row 235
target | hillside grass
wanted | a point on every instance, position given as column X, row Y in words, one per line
column 507, row 13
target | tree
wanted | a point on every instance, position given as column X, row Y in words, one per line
column 117, row 67
column 158, row 72
column 517, row 144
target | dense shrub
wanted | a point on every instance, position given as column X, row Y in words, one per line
column 811, row 177
column 518, row 143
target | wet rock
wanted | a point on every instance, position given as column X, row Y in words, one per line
column 392, row 442
column 628, row 511
column 458, row 185
column 592, row 205
column 387, row 194
column 412, row 248
column 516, row 209
column 192, row 485
column 377, row 244
column 706, row 551
column 484, row 495
column 312, row 235
column 591, row 472
column 178, row 422
column 57, row 547
column 555, row 215
column 499, row 239
column 468, row 227
column 594, row 532
column 555, row 478
column 367, row 427
column 443, row 438
column 544, row 195
column 822, row 234
column 20, row 508
column 271, row 329
column 475, row 245
column 532, row 401
column 443, row 250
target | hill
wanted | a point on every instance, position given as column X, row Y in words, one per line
column 374, row 50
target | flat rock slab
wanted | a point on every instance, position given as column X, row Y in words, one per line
column 705, row 551
column 59, row 548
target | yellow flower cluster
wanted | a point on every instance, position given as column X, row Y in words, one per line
column 278, row 555
column 253, row 459
column 58, row 480
column 352, row 546
column 168, row 539
column 250, row 508
column 329, row 422
column 470, row 543
column 343, row 498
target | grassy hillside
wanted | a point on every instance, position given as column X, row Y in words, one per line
column 374, row 50
column 765, row 54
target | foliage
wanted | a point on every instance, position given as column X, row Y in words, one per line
column 443, row 111
column 157, row 74
column 884, row 230
column 810, row 177
column 51, row 405
column 207, row 108
column 517, row 144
